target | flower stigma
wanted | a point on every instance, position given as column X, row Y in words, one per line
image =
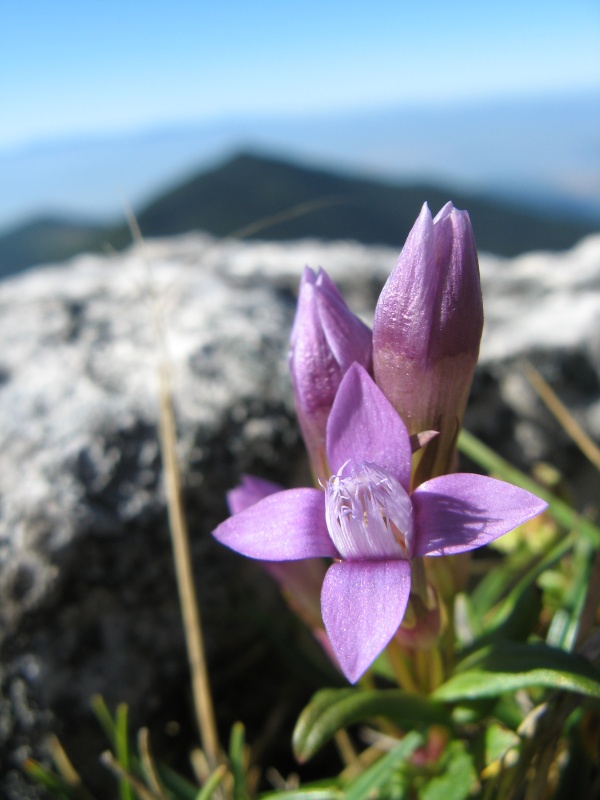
column 368, row 513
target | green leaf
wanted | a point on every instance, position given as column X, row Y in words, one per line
column 104, row 717
column 122, row 750
column 332, row 709
column 498, row 740
column 510, row 666
column 467, row 626
column 372, row 779
column 457, row 779
column 208, row 790
column 236, row 757
column 583, row 561
column 306, row 794
column 516, row 616
column 176, row 784
column 491, row 588
column 56, row 785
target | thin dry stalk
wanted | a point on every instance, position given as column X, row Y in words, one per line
column 67, row 770
column 562, row 414
column 148, row 764
column 346, row 750
column 190, row 611
column 185, row 580
column 118, row 771
column 299, row 210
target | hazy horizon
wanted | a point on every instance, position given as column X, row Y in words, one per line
column 108, row 104
column 532, row 149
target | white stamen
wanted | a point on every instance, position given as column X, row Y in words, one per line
column 368, row 513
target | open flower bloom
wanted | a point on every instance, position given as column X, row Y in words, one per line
column 369, row 524
column 326, row 339
column 426, row 333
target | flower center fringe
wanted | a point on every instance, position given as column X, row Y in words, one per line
column 368, row 513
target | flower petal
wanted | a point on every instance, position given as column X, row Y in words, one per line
column 456, row 513
column 363, row 426
column 285, row 526
column 363, row 603
column 249, row 491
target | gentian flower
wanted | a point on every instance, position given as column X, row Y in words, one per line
column 371, row 526
column 427, row 330
column 326, row 339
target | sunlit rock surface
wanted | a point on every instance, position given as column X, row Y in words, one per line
column 87, row 596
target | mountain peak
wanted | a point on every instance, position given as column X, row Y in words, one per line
column 278, row 199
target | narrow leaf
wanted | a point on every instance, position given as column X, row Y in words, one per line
column 104, row 717
column 516, row 617
column 122, row 750
column 498, row 740
column 236, row 758
column 306, row 794
column 48, row 779
column 458, row 778
column 371, row 781
column 176, row 784
column 207, row 791
column 332, row 709
column 510, row 666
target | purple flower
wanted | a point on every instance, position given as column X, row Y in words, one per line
column 326, row 339
column 369, row 524
column 426, row 333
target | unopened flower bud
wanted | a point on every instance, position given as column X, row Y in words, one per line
column 426, row 333
column 326, row 339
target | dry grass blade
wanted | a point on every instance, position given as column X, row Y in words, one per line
column 185, row 579
column 562, row 414
column 190, row 610
column 148, row 765
column 346, row 750
column 143, row 792
column 299, row 210
column 67, row 770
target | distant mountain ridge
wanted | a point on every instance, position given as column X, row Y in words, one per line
column 269, row 198
column 540, row 150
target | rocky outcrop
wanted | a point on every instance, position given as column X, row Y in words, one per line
column 87, row 595
column 89, row 602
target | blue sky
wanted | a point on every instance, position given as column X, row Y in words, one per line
column 69, row 67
